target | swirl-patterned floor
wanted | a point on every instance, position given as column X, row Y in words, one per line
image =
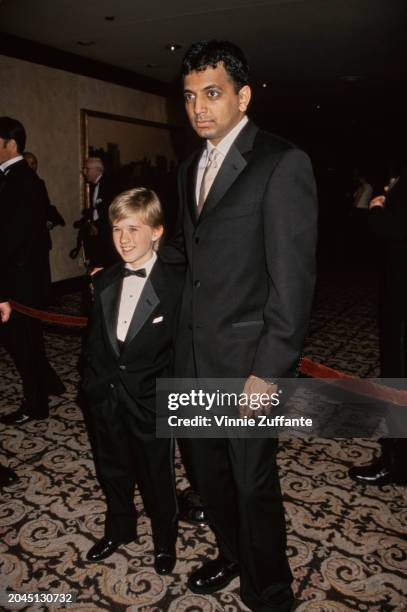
column 347, row 545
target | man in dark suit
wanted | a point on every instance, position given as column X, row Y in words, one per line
column 248, row 232
column 129, row 345
column 23, row 272
column 99, row 250
column 388, row 223
column 53, row 217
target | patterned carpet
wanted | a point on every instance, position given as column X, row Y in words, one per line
column 347, row 545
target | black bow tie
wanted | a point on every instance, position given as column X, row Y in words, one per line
column 141, row 272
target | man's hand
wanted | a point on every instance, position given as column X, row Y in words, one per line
column 377, row 201
column 5, row 311
column 259, row 388
column 93, row 271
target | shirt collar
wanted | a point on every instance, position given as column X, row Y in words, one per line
column 10, row 162
column 224, row 145
column 148, row 265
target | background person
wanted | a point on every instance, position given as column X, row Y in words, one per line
column 388, row 222
column 24, row 274
column 98, row 245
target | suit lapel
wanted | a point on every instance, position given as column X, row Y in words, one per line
column 110, row 298
column 233, row 165
column 147, row 302
column 192, row 173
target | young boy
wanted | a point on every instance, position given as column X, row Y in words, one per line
column 129, row 345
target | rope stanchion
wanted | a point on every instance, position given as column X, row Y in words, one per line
column 307, row 366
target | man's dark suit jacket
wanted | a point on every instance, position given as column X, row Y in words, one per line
column 24, row 275
column 389, row 224
column 251, row 261
column 99, row 249
column 148, row 348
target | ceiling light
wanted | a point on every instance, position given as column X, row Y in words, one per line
column 264, row 85
column 172, row 47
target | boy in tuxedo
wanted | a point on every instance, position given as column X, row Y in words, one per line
column 129, row 345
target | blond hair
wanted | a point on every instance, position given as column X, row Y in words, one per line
column 141, row 201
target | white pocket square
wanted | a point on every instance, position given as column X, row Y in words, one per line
column 158, row 319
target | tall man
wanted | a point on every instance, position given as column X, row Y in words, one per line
column 248, row 232
column 23, row 272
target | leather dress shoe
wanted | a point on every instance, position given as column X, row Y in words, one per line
column 213, row 576
column 7, row 476
column 104, row 548
column 164, row 561
column 190, row 508
column 379, row 472
column 19, row 417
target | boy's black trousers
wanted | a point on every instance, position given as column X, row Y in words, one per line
column 124, row 457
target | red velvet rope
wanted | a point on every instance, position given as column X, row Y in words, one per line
column 307, row 366
column 50, row 317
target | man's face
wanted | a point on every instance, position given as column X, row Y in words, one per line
column 8, row 150
column 92, row 172
column 134, row 240
column 212, row 104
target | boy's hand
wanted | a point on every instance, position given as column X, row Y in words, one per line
column 5, row 311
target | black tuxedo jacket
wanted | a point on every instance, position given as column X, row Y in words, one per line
column 251, row 261
column 24, row 266
column 148, row 348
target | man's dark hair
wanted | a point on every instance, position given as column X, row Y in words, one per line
column 205, row 53
column 11, row 129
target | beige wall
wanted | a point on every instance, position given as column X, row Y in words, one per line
column 48, row 101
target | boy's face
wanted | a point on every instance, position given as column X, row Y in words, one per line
column 134, row 240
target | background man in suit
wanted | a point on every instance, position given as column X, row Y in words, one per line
column 24, row 272
column 248, row 232
column 388, row 222
column 53, row 217
column 99, row 248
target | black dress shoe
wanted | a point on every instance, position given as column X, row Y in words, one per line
column 377, row 473
column 104, row 548
column 7, row 476
column 213, row 576
column 19, row 417
column 190, row 508
column 164, row 561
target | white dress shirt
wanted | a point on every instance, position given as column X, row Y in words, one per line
column 10, row 162
column 222, row 147
column 131, row 291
